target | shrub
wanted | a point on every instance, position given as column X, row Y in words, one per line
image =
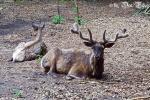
column 143, row 10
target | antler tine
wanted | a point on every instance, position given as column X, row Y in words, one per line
column 117, row 36
column 81, row 36
column 74, row 32
column 121, row 36
column 75, row 28
column 104, row 36
column 124, row 30
column 90, row 34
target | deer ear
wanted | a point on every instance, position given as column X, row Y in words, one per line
column 89, row 44
column 109, row 45
column 43, row 26
column 35, row 28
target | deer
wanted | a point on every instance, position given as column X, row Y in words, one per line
column 79, row 63
column 26, row 51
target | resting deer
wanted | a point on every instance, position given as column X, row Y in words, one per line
column 31, row 50
column 79, row 63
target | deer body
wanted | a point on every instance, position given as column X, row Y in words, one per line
column 19, row 53
column 71, row 61
column 30, row 50
column 79, row 63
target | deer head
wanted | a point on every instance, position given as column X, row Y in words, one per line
column 36, row 27
column 97, row 54
column 98, row 47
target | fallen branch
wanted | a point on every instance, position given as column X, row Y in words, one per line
column 141, row 98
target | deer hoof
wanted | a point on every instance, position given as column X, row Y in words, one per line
column 52, row 74
column 69, row 77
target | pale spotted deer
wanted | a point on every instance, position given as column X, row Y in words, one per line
column 33, row 49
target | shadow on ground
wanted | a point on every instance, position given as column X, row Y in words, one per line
column 10, row 27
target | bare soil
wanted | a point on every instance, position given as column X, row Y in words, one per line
column 127, row 63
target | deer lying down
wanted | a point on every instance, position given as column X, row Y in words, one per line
column 79, row 63
column 32, row 49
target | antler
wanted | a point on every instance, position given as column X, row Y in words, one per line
column 104, row 36
column 75, row 28
column 123, row 35
column 90, row 34
column 117, row 36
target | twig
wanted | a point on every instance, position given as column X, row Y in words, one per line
column 141, row 98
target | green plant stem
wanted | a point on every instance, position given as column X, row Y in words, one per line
column 58, row 10
column 78, row 15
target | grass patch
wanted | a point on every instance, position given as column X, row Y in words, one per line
column 38, row 60
column 58, row 19
column 80, row 20
column 17, row 93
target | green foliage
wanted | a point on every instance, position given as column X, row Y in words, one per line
column 38, row 60
column 74, row 9
column 40, row 55
column 17, row 93
column 77, row 18
column 80, row 21
column 143, row 10
column 57, row 19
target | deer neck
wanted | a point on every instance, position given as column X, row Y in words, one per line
column 97, row 65
column 37, row 40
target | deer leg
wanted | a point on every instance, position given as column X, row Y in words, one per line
column 31, row 56
column 53, row 74
column 52, row 71
column 49, row 67
column 70, row 77
column 76, row 72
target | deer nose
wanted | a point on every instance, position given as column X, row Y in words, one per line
column 97, row 56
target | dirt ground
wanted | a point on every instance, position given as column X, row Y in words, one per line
column 127, row 63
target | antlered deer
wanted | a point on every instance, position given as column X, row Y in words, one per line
column 32, row 49
column 79, row 63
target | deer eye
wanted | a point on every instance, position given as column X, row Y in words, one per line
column 92, row 47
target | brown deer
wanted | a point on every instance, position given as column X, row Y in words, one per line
column 79, row 63
column 31, row 50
